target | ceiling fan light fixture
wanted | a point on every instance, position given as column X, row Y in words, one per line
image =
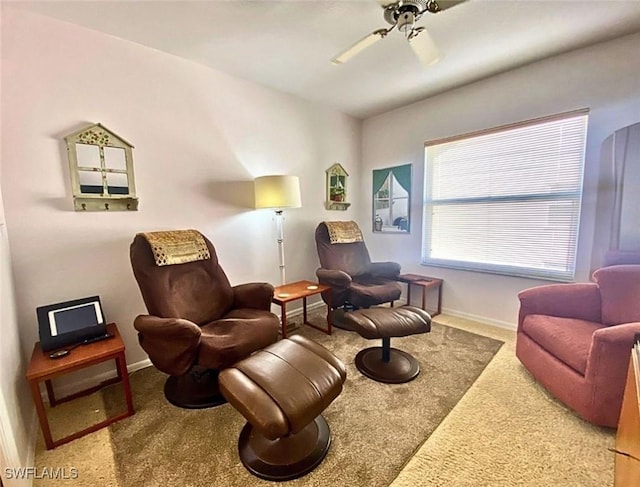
column 405, row 23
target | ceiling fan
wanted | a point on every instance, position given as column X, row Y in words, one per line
column 402, row 14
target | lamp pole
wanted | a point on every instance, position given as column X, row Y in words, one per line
column 280, row 232
column 278, row 192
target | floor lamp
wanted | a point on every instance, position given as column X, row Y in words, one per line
column 277, row 193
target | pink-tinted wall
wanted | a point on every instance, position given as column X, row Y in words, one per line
column 200, row 138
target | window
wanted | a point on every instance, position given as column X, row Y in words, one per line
column 507, row 200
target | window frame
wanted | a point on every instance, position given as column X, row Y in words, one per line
column 507, row 268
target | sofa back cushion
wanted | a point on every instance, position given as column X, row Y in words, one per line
column 620, row 292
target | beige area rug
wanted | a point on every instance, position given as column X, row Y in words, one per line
column 375, row 427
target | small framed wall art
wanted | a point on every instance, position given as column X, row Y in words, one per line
column 392, row 199
column 337, row 188
column 101, row 169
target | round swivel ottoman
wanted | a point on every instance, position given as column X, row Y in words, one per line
column 386, row 364
column 281, row 391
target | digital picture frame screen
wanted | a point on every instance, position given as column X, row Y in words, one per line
column 70, row 322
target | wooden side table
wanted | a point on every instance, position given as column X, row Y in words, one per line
column 301, row 290
column 42, row 368
column 425, row 283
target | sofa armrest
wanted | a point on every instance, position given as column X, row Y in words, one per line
column 171, row 343
column 256, row 295
column 334, row 278
column 578, row 300
column 390, row 270
column 608, row 360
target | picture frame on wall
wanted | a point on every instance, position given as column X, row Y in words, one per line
column 392, row 199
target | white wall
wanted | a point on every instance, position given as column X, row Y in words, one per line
column 15, row 405
column 200, row 137
column 603, row 78
column 15, row 402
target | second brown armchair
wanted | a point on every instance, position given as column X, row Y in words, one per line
column 345, row 265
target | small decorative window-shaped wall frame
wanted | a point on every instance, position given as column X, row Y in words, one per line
column 101, row 168
column 337, row 188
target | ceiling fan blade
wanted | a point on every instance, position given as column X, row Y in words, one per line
column 424, row 47
column 359, row 46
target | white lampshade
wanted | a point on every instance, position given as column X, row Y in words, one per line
column 278, row 192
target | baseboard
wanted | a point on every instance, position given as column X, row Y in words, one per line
column 85, row 383
column 142, row 364
column 480, row 319
column 448, row 311
column 298, row 311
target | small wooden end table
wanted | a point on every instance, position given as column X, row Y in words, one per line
column 302, row 289
column 425, row 283
column 42, row 368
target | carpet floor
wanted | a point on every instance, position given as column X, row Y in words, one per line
column 504, row 431
column 508, row 431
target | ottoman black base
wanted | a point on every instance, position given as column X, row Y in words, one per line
column 399, row 368
column 286, row 458
column 197, row 389
column 386, row 364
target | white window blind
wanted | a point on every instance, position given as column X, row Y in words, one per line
column 507, row 200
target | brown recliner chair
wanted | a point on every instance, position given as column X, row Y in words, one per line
column 345, row 265
column 198, row 323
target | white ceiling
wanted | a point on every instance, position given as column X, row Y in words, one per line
column 288, row 45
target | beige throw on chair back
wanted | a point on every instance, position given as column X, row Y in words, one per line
column 177, row 246
column 344, row 232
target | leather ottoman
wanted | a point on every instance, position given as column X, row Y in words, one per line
column 281, row 391
column 386, row 364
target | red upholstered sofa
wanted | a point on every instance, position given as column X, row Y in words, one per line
column 575, row 339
